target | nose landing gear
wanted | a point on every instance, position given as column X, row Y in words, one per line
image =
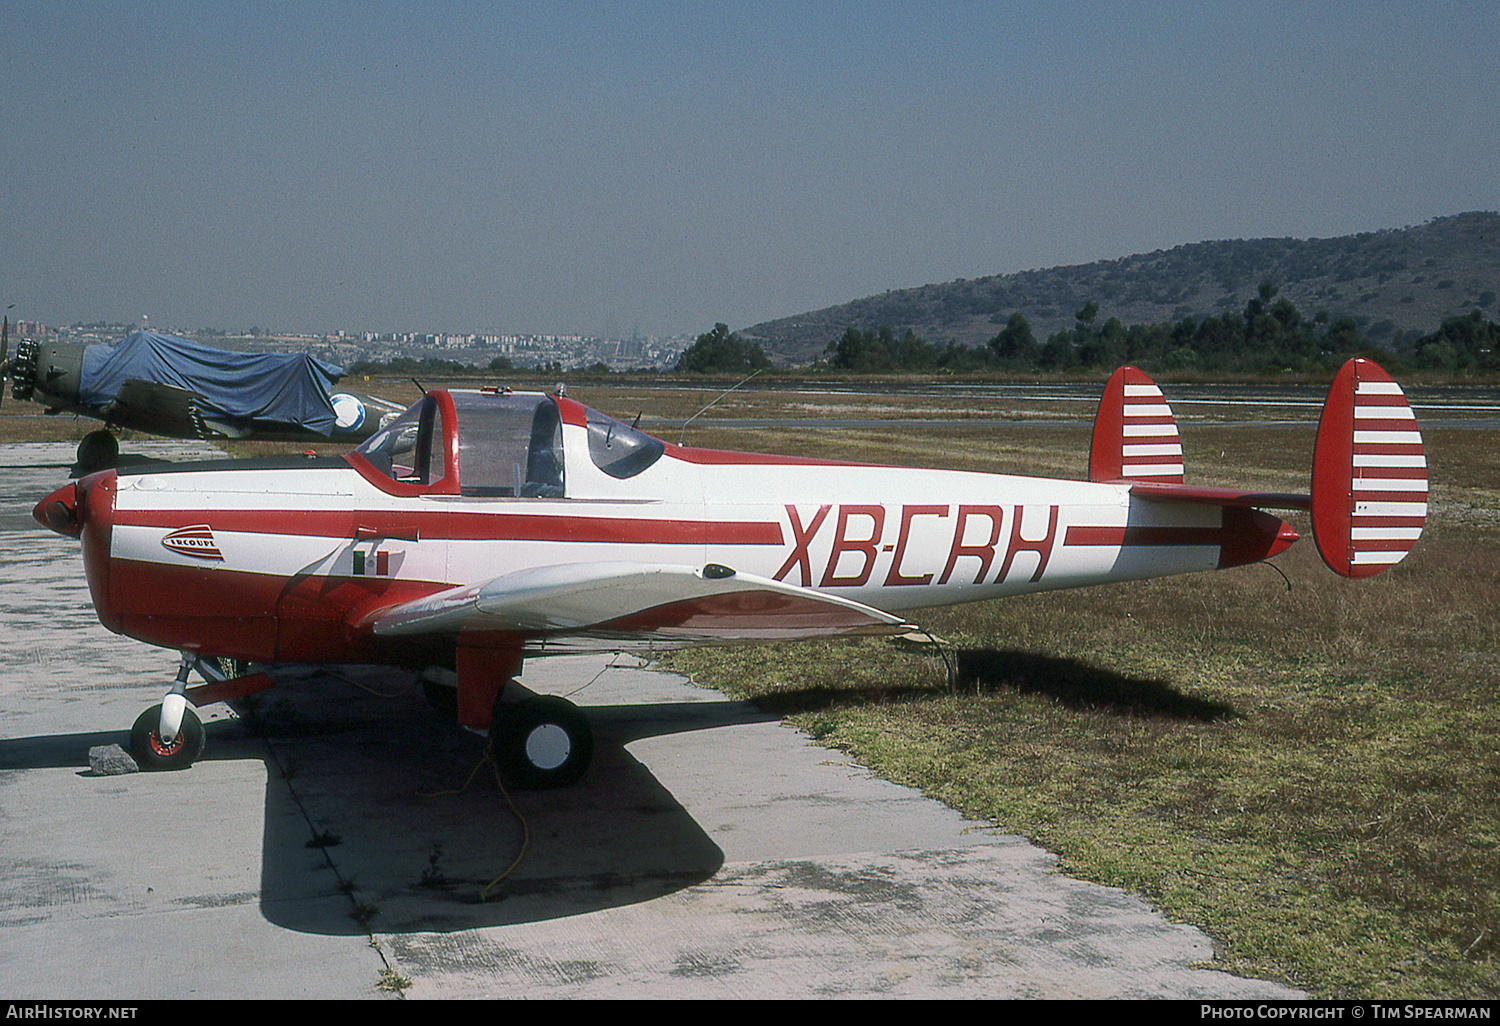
column 170, row 736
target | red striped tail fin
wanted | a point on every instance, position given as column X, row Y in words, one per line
column 1369, row 483
column 1135, row 434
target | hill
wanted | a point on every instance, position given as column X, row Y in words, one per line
column 1393, row 281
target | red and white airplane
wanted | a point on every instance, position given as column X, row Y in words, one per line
column 486, row 527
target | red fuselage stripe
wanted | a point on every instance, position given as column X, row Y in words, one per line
column 459, row 526
column 1130, row 536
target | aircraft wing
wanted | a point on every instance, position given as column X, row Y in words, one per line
column 633, row 603
column 155, row 407
column 164, row 409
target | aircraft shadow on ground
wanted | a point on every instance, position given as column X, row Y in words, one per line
column 56, row 751
column 380, row 815
column 1078, row 685
column 388, row 819
column 1070, row 682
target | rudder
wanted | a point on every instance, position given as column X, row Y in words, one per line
column 1135, row 435
column 1369, row 481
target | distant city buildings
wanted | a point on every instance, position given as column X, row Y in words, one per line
column 346, row 347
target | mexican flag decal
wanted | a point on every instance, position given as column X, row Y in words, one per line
column 364, row 566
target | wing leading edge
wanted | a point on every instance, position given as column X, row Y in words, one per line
column 632, row 603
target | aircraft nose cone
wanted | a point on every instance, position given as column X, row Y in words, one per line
column 62, row 511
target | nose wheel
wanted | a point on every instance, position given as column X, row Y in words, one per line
column 152, row 752
column 170, row 736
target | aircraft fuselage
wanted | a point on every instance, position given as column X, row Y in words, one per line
column 275, row 562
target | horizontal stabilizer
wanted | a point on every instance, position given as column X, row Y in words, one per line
column 1135, row 434
column 1369, row 485
column 1209, row 495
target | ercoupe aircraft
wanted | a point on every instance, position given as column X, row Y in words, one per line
column 171, row 386
column 483, row 528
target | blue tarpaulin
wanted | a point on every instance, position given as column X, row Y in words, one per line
column 277, row 388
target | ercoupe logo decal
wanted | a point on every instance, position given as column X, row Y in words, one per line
column 196, row 541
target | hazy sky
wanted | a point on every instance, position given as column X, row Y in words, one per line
column 455, row 166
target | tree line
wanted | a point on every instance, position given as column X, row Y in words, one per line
column 1269, row 335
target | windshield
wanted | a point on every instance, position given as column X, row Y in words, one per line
column 411, row 447
column 618, row 450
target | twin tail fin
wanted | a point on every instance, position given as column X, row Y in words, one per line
column 1135, row 434
column 1369, row 479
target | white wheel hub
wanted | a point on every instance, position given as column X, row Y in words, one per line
column 548, row 746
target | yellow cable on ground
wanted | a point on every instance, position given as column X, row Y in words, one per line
column 488, row 757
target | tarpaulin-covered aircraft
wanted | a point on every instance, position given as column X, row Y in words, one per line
column 172, row 386
column 483, row 528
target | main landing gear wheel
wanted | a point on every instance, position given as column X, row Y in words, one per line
column 541, row 742
column 150, row 752
column 99, row 450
